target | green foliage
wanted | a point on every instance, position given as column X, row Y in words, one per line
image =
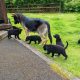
column 73, row 6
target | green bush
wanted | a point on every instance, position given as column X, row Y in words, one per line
column 73, row 6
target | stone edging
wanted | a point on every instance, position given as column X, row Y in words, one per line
column 3, row 34
column 48, row 61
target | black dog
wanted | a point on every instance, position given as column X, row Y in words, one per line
column 55, row 49
column 33, row 38
column 14, row 32
column 58, row 40
column 79, row 41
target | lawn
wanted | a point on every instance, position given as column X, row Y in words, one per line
column 68, row 26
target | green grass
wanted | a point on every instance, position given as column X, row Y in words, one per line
column 68, row 26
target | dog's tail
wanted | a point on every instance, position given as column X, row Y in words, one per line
column 66, row 45
column 49, row 33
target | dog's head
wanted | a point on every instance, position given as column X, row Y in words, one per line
column 57, row 36
column 27, row 38
column 44, row 47
column 17, row 18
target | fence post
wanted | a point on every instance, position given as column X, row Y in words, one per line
column 3, row 11
column 62, row 6
column 3, row 16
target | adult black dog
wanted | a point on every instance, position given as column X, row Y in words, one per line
column 56, row 49
column 58, row 40
column 34, row 38
column 14, row 32
column 35, row 25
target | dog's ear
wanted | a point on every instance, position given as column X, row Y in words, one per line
column 14, row 14
column 19, row 16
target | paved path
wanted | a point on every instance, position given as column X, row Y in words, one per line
column 19, row 63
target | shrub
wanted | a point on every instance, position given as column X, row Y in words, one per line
column 73, row 6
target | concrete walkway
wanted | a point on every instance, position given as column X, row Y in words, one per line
column 19, row 63
column 3, row 34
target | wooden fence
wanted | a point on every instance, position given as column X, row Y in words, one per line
column 34, row 8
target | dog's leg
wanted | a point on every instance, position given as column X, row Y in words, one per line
column 64, row 54
column 58, row 54
column 35, row 42
column 48, row 52
column 26, row 31
column 44, row 40
column 43, row 32
column 9, row 37
column 39, row 42
column 15, row 36
column 52, row 55
column 29, row 42
column 18, row 37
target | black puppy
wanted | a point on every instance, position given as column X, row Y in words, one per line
column 55, row 49
column 58, row 40
column 34, row 38
column 14, row 32
column 79, row 41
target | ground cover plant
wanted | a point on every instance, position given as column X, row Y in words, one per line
column 68, row 26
